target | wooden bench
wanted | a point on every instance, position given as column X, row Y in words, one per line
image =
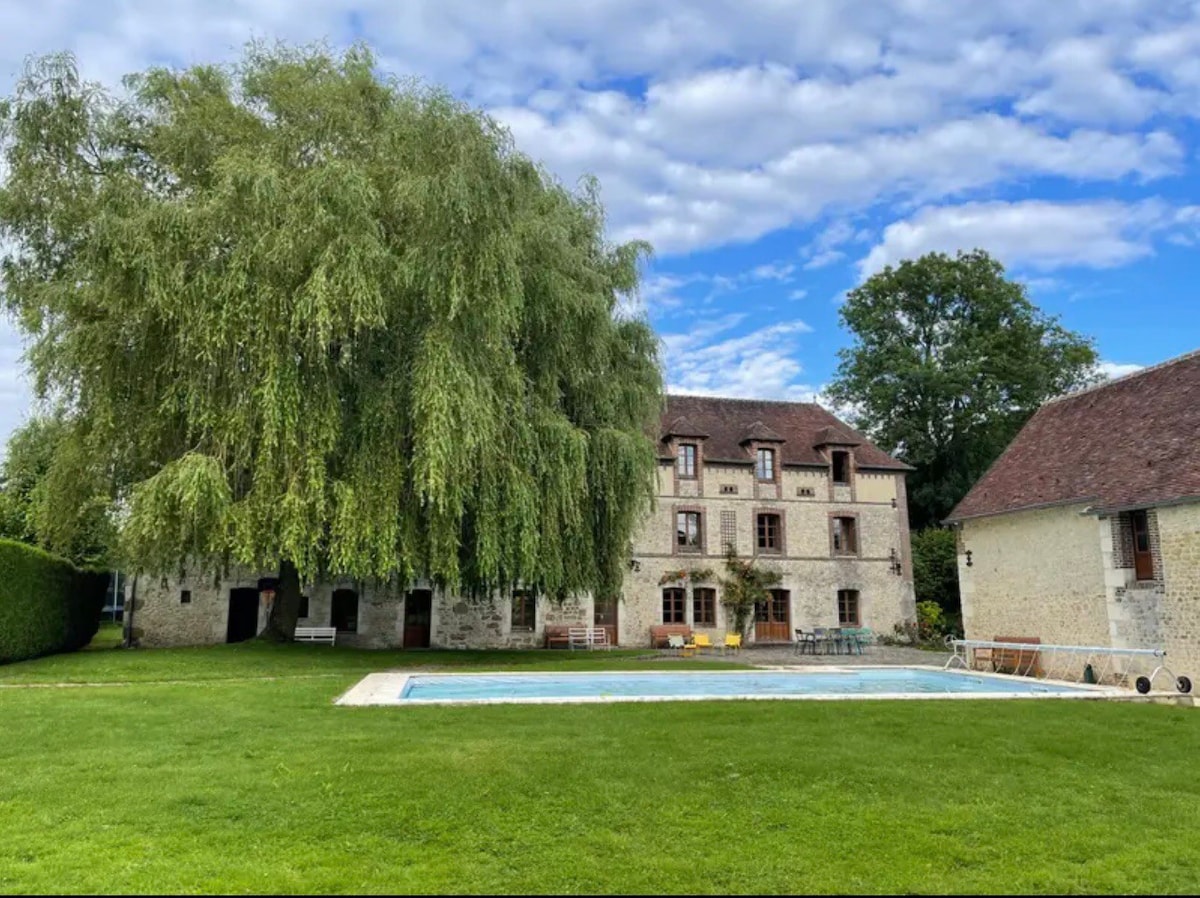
column 660, row 632
column 316, row 634
column 558, row 636
column 1020, row 661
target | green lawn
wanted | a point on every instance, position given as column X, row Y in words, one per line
column 236, row 784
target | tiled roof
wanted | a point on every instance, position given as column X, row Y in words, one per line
column 760, row 433
column 728, row 421
column 831, row 436
column 682, row 427
column 1127, row 443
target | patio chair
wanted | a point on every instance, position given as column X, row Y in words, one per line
column 732, row 641
column 866, row 637
column 702, row 641
column 805, row 642
column 822, row 639
column 851, row 640
column 675, row 642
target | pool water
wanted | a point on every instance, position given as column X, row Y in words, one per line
column 716, row 684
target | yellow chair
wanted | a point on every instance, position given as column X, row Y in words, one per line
column 701, row 641
column 732, row 641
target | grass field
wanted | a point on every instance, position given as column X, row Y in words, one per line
column 228, row 769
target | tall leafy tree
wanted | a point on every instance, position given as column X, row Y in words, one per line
column 311, row 317
column 52, row 496
column 950, row 358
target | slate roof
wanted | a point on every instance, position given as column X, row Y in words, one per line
column 1129, row 443
column 728, row 422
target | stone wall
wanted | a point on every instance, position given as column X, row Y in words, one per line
column 810, row 573
column 1035, row 573
column 1179, row 540
column 1068, row 577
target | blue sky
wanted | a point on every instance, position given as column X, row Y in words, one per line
column 777, row 152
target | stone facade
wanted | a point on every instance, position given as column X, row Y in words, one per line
column 804, row 497
column 1066, row 576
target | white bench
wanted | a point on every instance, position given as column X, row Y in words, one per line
column 588, row 637
column 316, row 634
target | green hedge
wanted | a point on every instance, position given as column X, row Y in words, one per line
column 47, row 605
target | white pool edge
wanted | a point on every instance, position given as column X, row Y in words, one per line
column 385, row 689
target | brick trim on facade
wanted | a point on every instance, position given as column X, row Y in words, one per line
column 677, row 510
column 858, row 536
column 779, row 513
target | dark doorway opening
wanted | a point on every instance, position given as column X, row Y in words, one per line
column 418, row 617
column 343, row 613
column 243, row 614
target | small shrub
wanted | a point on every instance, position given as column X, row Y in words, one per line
column 47, row 605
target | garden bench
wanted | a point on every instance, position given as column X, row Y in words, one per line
column 316, row 634
column 660, row 632
column 1019, row 661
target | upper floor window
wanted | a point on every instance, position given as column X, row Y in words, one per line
column 769, row 537
column 687, row 531
column 848, row 608
column 685, row 461
column 764, row 468
column 841, row 466
column 845, row 536
column 524, row 610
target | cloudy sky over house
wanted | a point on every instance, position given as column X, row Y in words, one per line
column 776, row 152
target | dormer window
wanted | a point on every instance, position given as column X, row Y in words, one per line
column 764, row 467
column 685, row 461
column 841, row 466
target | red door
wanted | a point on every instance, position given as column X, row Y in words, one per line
column 1143, row 560
column 772, row 619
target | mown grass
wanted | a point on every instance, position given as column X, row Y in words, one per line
column 233, row 785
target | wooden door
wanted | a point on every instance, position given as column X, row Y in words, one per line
column 243, row 615
column 772, row 619
column 1143, row 560
column 605, row 615
column 418, row 615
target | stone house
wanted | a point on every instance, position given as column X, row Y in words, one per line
column 784, row 482
column 1086, row 531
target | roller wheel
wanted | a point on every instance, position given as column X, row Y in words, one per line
column 1183, row 684
column 1143, row 685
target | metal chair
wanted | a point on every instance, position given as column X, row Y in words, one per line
column 822, row 639
column 805, row 642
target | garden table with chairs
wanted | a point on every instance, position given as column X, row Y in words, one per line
column 832, row 640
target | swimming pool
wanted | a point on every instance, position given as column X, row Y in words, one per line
column 867, row 682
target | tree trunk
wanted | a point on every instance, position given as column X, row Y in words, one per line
column 281, row 625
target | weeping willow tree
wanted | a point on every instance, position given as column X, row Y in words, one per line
column 314, row 319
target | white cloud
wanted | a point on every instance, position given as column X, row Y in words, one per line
column 707, row 360
column 798, row 294
column 1111, row 370
column 749, row 116
column 1031, row 233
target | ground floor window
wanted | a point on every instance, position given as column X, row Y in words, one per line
column 524, row 610
column 704, row 607
column 673, row 606
column 848, row 608
column 344, row 611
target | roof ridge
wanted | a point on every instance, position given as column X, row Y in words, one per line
column 747, row 399
column 1167, row 363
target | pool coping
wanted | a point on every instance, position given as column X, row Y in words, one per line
column 385, row 689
